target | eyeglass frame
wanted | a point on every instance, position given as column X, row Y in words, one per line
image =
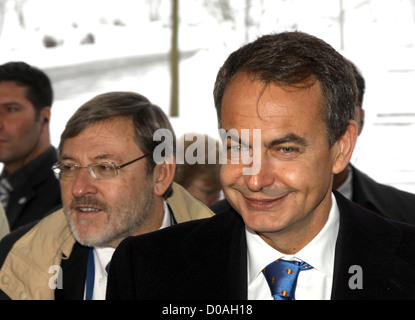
column 88, row 167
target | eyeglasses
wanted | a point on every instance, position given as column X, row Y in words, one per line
column 99, row 171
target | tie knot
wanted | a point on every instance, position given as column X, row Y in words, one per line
column 282, row 277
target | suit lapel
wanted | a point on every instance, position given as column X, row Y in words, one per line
column 222, row 266
column 366, row 265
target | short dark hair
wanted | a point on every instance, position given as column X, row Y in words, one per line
column 39, row 87
column 147, row 118
column 293, row 59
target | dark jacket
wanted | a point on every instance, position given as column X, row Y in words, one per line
column 38, row 196
column 385, row 200
column 207, row 259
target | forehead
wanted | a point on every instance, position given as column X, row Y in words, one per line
column 115, row 136
column 13, row 90
column 253, row 104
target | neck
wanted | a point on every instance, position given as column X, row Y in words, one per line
column 13, row 166
column 340, row 178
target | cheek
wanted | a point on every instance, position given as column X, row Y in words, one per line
column 298, row 175
column 229, row 174
column 21, row 126
column 66, row 192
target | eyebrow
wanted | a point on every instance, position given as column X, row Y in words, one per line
column 289, row 138
column 10, row 104
column 100, row 157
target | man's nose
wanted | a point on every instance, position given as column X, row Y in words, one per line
column 83, row 184
column 263, row 178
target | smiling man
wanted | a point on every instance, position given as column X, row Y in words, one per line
column 287, row 235
column 112, row 188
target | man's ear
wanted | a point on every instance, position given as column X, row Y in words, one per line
column 163, row 176
column 345, row 147
column 44, row 115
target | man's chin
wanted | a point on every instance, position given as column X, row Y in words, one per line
column 90, row 238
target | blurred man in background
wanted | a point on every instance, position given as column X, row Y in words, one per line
column 198, row 168
column 355, row 185
column 28, row 189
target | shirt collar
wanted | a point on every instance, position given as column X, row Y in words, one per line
column 167, row 216
column 319, row 253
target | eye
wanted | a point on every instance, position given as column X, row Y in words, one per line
column 287, row 150
column 11, row 109
column 67, row 167
column 104, row 169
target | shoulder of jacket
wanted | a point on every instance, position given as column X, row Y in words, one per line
column 185, row 207
column 26, row 271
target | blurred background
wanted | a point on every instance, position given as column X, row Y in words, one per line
column 171, row 50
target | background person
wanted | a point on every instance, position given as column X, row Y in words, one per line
column 357, row 186
column 200, row 178
column 28, row 189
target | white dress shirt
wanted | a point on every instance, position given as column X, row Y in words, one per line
column 314, row 284
column 102, row 256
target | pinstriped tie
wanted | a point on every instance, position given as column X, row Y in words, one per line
column 282, row 277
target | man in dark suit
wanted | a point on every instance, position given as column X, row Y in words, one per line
column 357, row 186
column 286, row 103
column 28, row 188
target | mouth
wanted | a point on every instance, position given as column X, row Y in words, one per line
column 264, row 204
column 86, row 212
column 87, row 204
column 87, row 209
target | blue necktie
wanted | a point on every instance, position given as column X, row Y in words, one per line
column 282, row 277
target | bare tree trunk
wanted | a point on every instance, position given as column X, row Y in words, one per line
column 18, row 6
column 2, row 13
column 341, row 24
column 154, row 9
column 248, row 5
column 174, row 61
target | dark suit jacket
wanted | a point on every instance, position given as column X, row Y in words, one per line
column 39, row 196
column 385, row 200
column 207, row 259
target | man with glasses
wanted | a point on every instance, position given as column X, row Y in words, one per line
column 112, row 188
